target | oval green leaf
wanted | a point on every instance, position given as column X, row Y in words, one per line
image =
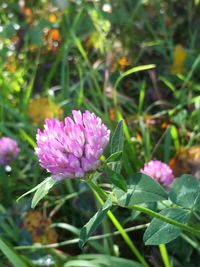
column 185, row 192
column 141, row 189
column 160, row 232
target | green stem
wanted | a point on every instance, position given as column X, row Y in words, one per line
column 117, row 224
column 108, row 243
column 166, row 219
column 164, row 255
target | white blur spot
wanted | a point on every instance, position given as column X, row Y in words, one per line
column 8, row 168
column 16, row 26
column 107, row 8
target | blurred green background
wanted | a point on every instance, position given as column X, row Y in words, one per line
column 132, row 60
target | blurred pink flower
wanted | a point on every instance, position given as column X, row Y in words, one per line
column 73, row 148
column 9, row 150
column 159, row 171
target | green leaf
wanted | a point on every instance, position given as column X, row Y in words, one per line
column 117, row 140
column 117, row 144
column 11, row 255
column 117, row 179
column 67, row 227
column 114, row 157
column 42, row 191
column 94, row 222
column 34, row 189
column 174, row 134
column 34, row 35
column 167, row 144
column 160, row 232
column 100, row 260
column 185, row 192
column 9, row 30
column 141, row 189
column 133, row 70
column 81, row 263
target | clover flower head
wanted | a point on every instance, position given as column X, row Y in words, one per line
column 159, row 171
column 72, row 148
column 9, row 150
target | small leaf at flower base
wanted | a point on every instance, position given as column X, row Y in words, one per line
column 160, row 232
column 94, row 222
column 141, row 189
column 117, row 144
column 117, row 179
column 42, row 191
column 114, row 157
column 185, row 192
column 117, row 140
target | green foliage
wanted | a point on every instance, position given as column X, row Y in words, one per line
column 114, row 157
column 133, row 70
column 116, row 179
column 160, row 232
column 114, row 58
column 141, row 189
column 117, row 139
column 100, row 260
column 117, row 144
column 41, row 189
column 185, row 192
column 94, row 222
column 12, row 256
